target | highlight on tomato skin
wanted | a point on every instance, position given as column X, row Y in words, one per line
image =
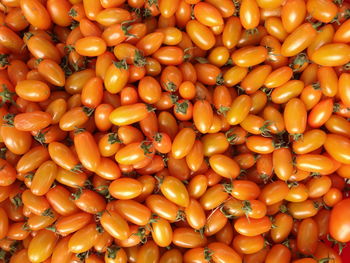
column 169, row 131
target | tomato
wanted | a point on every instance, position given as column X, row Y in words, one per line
column 89, row 201
column 252, row 227
column 249, row 56
column 121, row 115
column 45, row 240
column 70, row 224
column 223, row 253
column 260, row 144
column 295, row 116
column 344, row 88
column 298, row 40
column 293, row 14
column 42, row 48
column 195, row 215
column 337, row 147
column 33, row 90
column 302, row 210
column 36, row 14
column 239, row 109
column 116, row 77
column 58, row 11
column 342, row 34
column 274, row 118
column 331, row 55
column 7, row 173
column 59, row 199
column 18, row 142
column 52, row 72
column 83, row 239
column 186, row 237
column 321, row 10
column 339, row 221
column 162, row 207
column 278, row 253
column 274, row 192
column 162, row 232
column 249, row 14
column 149, row 252
column 307, row 237
column 224, row 166
column 4, row 223
column 115, row 225
column 87, row 150
column 10, row 40
column 283, row 226
column 170, row 55
column 200, row 35
column 324, row 36
column 132, row 211
column 31, row 121
column 248, row 245
column 207, row 14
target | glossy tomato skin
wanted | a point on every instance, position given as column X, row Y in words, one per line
column 36, row 14
column 331, row 55
column 338, row 221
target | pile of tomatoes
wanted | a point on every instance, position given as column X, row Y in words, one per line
column 169, row 131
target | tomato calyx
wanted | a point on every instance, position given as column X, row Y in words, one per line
column 2, row 254
column 6, row 95
column 28, row 35
column 52, row 228
column 201, row 60
column 265, row 132
column 298, row 61
column 170, row 86
column 152, row 2
column 78, row 168
column 48, row 212
column 29, row 176
column 231, row 137
column 158, row 137
column 113, row 138
column 3, row 153
column 83, row 255
column 180, row 216
column 187, row 55
column 4, row 60
column 297, row 136
column 40, row 137
column 146, row 147
column 340, row 245
column 25, row 227
column 112, row 251
column 246, row 207
column 219, row 80
column 121, row 64
column 74, row 24
column 88, row 111
column 182, row 107
column 78, row 131
column 283, row 209
column 17, row 200
column 201, row 231
column 139, row 60
column 252, row 31
column 223, row 110
column 347, row 66
column 208, row 254
column 72, row 12
column 142, row 234
column 75, row 196
column 103, row 190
